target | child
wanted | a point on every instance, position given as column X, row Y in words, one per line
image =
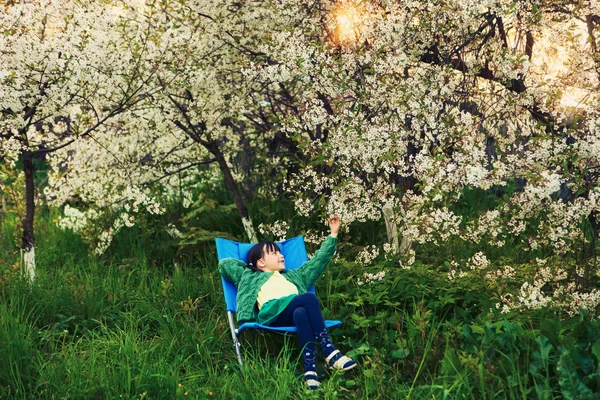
column 282, row 299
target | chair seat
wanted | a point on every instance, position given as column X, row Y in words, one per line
column 282, row 329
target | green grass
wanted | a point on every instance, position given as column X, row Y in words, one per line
column 127, row 325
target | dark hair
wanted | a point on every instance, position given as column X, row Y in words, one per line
column 257, row 252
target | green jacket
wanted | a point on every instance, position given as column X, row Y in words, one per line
column 249, row 282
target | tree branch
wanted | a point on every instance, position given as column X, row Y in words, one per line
column 180, row 170
column 514, row 85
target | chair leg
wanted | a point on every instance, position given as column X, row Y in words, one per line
column 236, row 342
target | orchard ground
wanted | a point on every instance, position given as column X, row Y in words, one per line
column 147, row 320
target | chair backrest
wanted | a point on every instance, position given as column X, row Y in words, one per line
column 292, row 249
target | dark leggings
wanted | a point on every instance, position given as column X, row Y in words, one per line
column 303, row 312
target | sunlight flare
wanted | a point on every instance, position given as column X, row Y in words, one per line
column 348, row 24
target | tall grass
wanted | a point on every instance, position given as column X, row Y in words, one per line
column 148, row 321
column 128, row 328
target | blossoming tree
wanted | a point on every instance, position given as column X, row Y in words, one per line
column 415, row 101
column 66, row 69
column 393, row 109
column 208, row 114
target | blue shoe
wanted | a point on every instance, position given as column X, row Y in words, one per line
column 312, row 383
column 339, row 362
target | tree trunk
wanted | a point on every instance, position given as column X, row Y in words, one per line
column 405, row 244
column 235, row 192
column 28, row 239
column 391, row 227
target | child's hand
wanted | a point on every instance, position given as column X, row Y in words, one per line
column 334, row 225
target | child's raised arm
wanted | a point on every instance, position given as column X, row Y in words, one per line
column 232, row 269
column 313, row 268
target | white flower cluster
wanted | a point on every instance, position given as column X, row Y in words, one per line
column 173, row 231
column 314, row 237
column 304, row 207
column 278, row 229
column 489, row 227
column 389, row 250
column 505, row 304
column 342, row 202
column 76, row 220
column 439, row 224
column 478, row 261
column 452, row 274
column 531, row 296
column 408, row 259
column 104, row 240
column 187, row 200
column 507, row 272
column 586, row 301
column 548, row 184
column 367, row 255
column 455, row 271
column 369, row 279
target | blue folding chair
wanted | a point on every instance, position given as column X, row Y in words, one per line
column 294, row 252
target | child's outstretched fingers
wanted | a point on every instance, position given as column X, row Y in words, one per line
column 334, row 224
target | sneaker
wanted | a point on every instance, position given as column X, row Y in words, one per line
column 339, row 362
column 312, row 380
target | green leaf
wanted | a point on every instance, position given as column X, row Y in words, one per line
column 369, row 373
column 400, row 353
column 450, row 363
column 351, row 383
column 359, row 302
column 596, row 353
column 477, row 329
column 572, row 388
column 447, row 299
column 364, row 348
column 541, row 356
column 585, row 362
column 550, row 329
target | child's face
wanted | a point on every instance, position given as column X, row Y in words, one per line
column 271, row 261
